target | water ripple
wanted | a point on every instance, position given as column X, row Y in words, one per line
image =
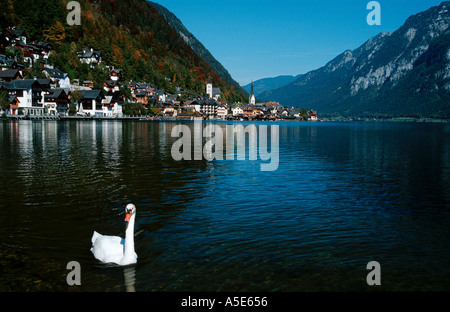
column 344, row 194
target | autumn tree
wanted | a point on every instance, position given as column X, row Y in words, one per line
column 55, row 33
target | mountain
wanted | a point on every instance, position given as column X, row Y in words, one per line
column 132, row 35
column 196, row 45
column 406, row 72
column 262, row 85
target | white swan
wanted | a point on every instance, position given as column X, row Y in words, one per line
column 114, row 249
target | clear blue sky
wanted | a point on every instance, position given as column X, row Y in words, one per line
column 256, row 39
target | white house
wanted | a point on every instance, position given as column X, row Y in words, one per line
column 275, row 110
column 58, row 78
column 111, row 108
column 208, row 107
column 56, row 102
column 284, row 112
column 29, row 94
column 161, row 94
column 237, row 111
column 222, row 111
column 117, row 110
column 91, row 57
column 169, row 110
column 115, row 74
column 312, row 115
column 111, row 85
column 91, row 103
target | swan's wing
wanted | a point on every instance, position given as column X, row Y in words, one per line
column 95, row 236
column 108, row 249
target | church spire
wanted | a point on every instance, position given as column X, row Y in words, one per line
column 252, row 99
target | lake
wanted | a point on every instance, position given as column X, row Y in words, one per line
column 344, row 194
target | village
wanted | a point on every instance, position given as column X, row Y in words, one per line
column 57, row 96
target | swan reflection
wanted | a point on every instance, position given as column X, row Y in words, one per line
column 129, row 274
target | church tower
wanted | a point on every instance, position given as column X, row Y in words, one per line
column 209, row 88
column 252, row 99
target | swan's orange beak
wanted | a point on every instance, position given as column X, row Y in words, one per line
column 127, row 216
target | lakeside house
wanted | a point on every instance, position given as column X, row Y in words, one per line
column 222, row 111
column 169, row 109
column 27, row 95
column 187, row 108
column 14, row 104
column 112, row 104
column 207, row 107
column 248, row 110
column 56, row 102
column 141, row 96
column 312, row 115
column 142, row 92
column 237, row 110
column 90, row 103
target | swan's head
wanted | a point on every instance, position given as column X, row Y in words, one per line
column 130, row 210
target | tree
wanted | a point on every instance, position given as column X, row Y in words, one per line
column 155, row 111
column 76, row 96
column 126, row 92
column 72, row 109
column 74, row 100
column 35, row 71
column 4, row 100
column 15, row 53
column 304, row 114
column 73, row 47
column 55, row 33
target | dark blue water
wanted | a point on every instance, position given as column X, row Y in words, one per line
column 344, row 194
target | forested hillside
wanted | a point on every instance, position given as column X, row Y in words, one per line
column 197, row 46
column 131, row 35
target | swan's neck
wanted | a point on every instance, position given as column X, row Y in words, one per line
column 129, row 238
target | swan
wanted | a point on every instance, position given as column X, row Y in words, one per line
column 114, row 249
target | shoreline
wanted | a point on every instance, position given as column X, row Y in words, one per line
column 165, row 119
